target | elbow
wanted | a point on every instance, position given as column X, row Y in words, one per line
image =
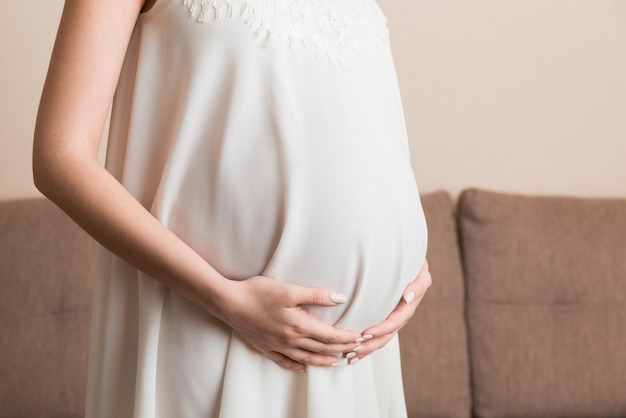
column 58, row 170
column 59, row 164
column 45, row 169
column 38, row 169
column 41, row 177
column 40, row 183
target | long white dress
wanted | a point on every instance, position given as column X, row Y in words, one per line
column 269, row 135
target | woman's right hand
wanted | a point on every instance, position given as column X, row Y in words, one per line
column 269, row 315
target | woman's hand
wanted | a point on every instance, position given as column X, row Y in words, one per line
column 269, row 315
column 377, row 336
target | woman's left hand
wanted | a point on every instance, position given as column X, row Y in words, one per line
column 380, row 334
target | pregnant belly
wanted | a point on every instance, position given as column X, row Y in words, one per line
column 365, row 238
column 338, row 221
column 362, row 234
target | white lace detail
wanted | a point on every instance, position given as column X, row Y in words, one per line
column 335, row 29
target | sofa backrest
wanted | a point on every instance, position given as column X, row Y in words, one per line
column 535, row 328
column 46, row 270
column 546, row 304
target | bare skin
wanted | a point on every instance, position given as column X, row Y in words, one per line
column 147, row 5
column 82, row 77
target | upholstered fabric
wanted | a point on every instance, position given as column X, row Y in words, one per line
column 433, row 344
column 46, row 271
column 546, row 286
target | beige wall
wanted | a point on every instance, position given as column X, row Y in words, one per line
column 522, row 96
column 525, row 96
column 27, row 31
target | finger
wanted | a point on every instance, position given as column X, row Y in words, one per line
column 310, row 358
column 368, row 348
column 316, row 346
column 284, row 361
column 317, row 296
column 419, row 286
column 311, row 327
column 393, row 323
column 396, row 320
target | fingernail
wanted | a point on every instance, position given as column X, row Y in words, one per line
column 409, row 297
column 350, row 354
column 358, row 348
column 338, row 298
column 354, row 360
column 335, row 364
column 368, row 337
column 359, row 340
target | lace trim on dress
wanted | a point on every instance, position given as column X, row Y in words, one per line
column 335, row 29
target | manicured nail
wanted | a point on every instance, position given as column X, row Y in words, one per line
column 359, row 340
column 354, row 360
column 350, row 355
column 368, row 337
column 409, row 297
column 357, row 348
column 338, row 298
column 335, row 364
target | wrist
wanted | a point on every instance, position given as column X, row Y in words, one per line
column 220, row 297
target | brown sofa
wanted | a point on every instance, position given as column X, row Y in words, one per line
column 526, row 316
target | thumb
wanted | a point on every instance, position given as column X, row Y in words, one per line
column 320, row 297
column 417, row 288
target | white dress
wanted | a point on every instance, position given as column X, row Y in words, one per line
column 269, row 135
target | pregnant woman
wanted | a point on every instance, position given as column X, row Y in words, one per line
column 258, row 208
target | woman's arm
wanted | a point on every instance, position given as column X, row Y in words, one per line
column 88, row 54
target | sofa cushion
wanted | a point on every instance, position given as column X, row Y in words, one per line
column 433, row 344
column 546, row 288
column 47, row 268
